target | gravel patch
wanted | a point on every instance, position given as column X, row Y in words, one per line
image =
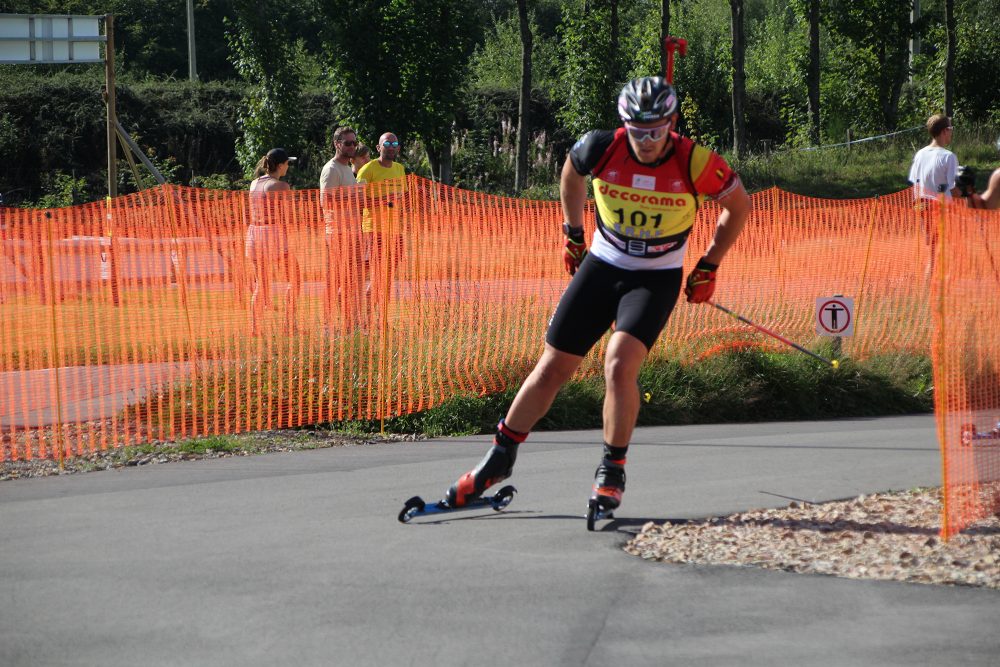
column 246, row 444
column 888, row 536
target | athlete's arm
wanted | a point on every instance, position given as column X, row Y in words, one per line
column 736, row 209
column 992, row 194
column 573, row 194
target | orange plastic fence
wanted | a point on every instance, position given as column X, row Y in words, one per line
column 180, row 312
column 966, row 352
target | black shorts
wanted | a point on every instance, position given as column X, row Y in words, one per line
column 639, row 302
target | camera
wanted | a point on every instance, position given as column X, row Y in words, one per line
column 965, row 180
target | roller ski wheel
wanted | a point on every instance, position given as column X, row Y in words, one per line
column 597, row 511
column 416, row 506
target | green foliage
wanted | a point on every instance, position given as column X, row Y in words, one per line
column 977, row 66
column 704, row 74
column 60, row 190
column 592, row 72
column 56, row 123
column 269, row 116
column 863, row 170
column 217, row 443
column 485, row 143
column 218, row 182
column 743, row 386
column 424, row 68
column 408, row 79
column 497, row 61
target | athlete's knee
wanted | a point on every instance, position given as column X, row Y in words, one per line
column 624, row 358
column 554, row 371
column 620, row 372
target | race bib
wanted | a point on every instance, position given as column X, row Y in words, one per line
column 637, row 213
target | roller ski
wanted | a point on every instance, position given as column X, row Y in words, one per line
column 972, row 437
column 609, row 485
column 416, row 506
column 467, row 492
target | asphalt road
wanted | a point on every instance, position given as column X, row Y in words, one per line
column 297, row 559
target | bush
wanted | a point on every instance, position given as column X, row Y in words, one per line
column 56, row 124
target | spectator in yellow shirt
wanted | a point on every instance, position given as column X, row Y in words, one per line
column 385, row 184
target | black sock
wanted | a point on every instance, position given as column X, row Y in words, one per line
column 615, row 454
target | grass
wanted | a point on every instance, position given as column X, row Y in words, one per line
column 863, row 170
column 734, row 386
column 216, row 443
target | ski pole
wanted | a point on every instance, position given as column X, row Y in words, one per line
column 832, row 362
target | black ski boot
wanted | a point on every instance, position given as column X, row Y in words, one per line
column 496, row 466
column 609, row 484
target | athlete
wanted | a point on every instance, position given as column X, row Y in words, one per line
column 648, row 182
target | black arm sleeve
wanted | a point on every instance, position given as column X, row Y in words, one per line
column 589, row 150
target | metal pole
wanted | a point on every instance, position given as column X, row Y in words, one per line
column 834, row 363
column 192, row 61
column 109, row 91
column 130, row 142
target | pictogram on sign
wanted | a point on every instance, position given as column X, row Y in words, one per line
column 835, row 316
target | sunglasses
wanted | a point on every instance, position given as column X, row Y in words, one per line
column 642, row 134
column 349, row 143
column 390, row 144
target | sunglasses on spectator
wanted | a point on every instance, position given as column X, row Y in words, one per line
column 642, row 134
column 349, row 143
column 390, row 144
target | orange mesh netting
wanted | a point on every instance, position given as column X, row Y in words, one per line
column 966, row 354
column 179, row 312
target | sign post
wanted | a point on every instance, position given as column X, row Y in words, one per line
column 835, row 317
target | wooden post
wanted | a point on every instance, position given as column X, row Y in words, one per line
column 109, row 97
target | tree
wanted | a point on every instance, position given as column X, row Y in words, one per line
column 591, row 65
column 879, row 31
column 259, row 40
column 813, row 72
column 739, row 77
column 401, row 65
column 524, row 100
column 949, row 68
column 664, row 32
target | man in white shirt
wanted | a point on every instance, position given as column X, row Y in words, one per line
column 933, row 174
column 934, row 166
column 337, row 172
column 345, row 255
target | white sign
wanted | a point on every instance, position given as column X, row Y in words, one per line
column 50, row 38
column 835, row 316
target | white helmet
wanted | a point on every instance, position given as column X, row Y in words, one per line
column 647, row 99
